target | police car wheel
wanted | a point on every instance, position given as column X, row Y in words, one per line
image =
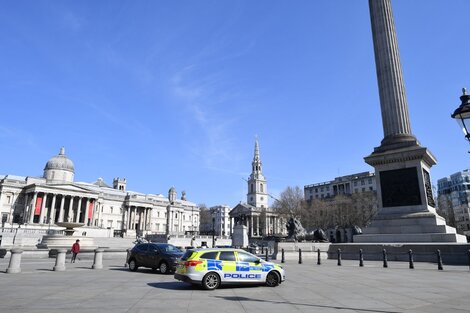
column 272, row 280
column 163, row 268
column 133, row 265
column 211, row 281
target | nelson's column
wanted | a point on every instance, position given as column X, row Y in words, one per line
column 404, row 194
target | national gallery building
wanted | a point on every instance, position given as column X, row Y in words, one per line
column 42, row 201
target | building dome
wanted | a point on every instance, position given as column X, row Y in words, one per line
column 59, row 168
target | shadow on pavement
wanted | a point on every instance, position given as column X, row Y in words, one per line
column 172, row 285
column 235, row 298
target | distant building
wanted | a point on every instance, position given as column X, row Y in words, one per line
column 256, row 214
column 342, row 185
column 222, row 225
column 454, row 198
column 40, row 202
column 338, row 218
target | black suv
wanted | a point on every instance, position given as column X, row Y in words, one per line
column 161, row 256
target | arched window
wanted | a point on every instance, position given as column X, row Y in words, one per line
column 261, row 187
column 252, row 188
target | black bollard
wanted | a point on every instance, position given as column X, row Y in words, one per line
column 262, row 249
column 361, row 258
column 266, row 258
column 318, row 257
column 300, row 256
column 410, row 254
column 339, row 257
column 282, row 256
column 384, row 253
column 439, row 260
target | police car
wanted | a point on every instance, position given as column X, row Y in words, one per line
column 213, row 267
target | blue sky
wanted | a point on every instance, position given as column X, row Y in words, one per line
column 173, row 93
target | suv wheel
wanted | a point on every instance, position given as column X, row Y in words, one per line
column 133, row 265
column 164, row 268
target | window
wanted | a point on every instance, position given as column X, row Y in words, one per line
column 227, row 256
column 8, row 199
column 209, row 255
column 111, row 208
column 252, row 188
column 245, row 257
column 261, row 187
column 362, row 182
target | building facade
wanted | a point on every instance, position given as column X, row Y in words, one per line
column 454, row 198
column 342, row 185
column 255, row 213
column 56, row 197
column 221, row 219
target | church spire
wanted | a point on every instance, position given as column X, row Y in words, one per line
column 256, row 164
column 257, row 189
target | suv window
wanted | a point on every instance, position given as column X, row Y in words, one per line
column 153, row 248
column 141, row 247
column 209, row 255
column 227, row 256
column 245, row 257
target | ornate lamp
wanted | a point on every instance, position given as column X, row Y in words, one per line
column 462, row 113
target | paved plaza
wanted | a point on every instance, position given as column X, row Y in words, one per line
column 308, row 288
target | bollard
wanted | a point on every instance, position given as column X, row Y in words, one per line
column 282, row 256
column 439, row 260
column 15, row 261
column 384, row 253
column 262, row 249
column 300, row 256
column 60, row 260
column 361, row 258
column 266, row 257
column 318, row 257
column 410, row 254
column 339, row 257
column 98, row 260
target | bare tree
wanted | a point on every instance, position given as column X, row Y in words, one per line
column 290, row 203
column 205, row 220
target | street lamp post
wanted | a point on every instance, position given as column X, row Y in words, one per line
column 462, row 113
column 213, row 232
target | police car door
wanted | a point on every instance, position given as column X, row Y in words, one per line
column 252, row 266
column 229, row 267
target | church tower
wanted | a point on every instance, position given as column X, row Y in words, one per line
column 257, row 188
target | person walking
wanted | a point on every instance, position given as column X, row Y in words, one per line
column 75, row 250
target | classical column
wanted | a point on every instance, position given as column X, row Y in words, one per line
column 61, row 210
column 87, row 210
column 52, row 210
column 70, row 212
column 33, row 207
column 79, row 209
column 393, row 103
column 251, row 225
column 43, row 209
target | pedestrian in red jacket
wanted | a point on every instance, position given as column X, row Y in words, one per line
column 75, row 250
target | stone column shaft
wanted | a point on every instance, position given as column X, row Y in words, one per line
column 43, row 209
column 79, row 208
column 394, row 107
column 61, row 210
column 52, row 210
column 33, row 207
column 87, row 210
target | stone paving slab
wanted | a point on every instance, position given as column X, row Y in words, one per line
column 308, row 288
